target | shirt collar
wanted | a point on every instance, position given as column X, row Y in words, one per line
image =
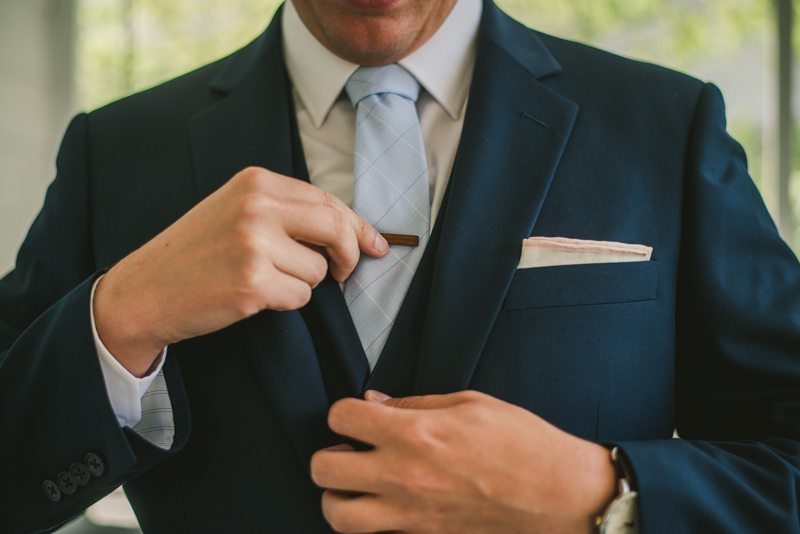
column 442, row 65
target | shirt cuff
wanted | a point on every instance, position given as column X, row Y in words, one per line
column 125, row 391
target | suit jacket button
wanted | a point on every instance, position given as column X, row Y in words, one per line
column 79, row 474
column 66, row 484
column 94, row 464
column 51, row 490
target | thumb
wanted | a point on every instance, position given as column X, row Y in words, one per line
column 419, row 402
column 376, row 396
column 370, row 241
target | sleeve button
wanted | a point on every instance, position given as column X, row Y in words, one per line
column 94, row 464
column 66, row 484
column 51, row 491
column 79, row 474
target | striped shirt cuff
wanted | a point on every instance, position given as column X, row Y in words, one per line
column 139, row 403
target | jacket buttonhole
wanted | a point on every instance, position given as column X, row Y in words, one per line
column 533, row 119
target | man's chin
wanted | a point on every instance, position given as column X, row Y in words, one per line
column 373, row 32
column 375, row 49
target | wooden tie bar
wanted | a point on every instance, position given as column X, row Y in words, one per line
column 402, row 239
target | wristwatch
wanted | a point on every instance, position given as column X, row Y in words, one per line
column 622, row 515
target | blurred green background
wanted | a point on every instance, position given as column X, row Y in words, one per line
column 129, row 45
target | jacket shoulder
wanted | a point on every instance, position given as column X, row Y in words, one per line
column 179, row 98
column 608, row 70
column 622, row 94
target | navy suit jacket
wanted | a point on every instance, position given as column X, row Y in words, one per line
column 559, row 140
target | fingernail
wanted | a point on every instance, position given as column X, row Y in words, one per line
column 381, row 245
column 377, row 396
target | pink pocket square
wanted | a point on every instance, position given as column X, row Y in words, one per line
column 552, row 251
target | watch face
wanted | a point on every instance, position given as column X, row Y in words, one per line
column 622, row 516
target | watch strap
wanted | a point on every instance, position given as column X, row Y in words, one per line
column 622, row 514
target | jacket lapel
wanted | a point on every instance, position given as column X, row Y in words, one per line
column 251, row 125
column 515, row 131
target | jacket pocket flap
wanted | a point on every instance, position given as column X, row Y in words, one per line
column 580, row 285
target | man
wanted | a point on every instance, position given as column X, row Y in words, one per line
column 183, row 218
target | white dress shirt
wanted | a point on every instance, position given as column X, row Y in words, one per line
column 326, row 119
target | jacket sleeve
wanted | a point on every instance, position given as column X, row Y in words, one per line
column 737, row 363
column 54, row 409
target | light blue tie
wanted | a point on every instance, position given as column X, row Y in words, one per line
column 391, row 192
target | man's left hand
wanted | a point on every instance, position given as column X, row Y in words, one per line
column 464, row 462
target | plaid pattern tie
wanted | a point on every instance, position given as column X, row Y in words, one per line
column 391, row 192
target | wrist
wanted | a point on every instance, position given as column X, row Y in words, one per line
column 581, row 483
column 600, row 483
column 125, row 322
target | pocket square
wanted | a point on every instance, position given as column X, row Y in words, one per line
column 551, row 251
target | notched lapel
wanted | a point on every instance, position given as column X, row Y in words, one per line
column 515, row 131
column 249, row 126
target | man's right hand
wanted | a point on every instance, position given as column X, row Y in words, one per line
column 262, row 241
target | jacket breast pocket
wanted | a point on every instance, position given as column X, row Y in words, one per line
column 581, row 285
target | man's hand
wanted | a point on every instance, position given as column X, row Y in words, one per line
column 464, row 462
column 262, row 241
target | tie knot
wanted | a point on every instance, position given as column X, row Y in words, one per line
column 388, row 79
